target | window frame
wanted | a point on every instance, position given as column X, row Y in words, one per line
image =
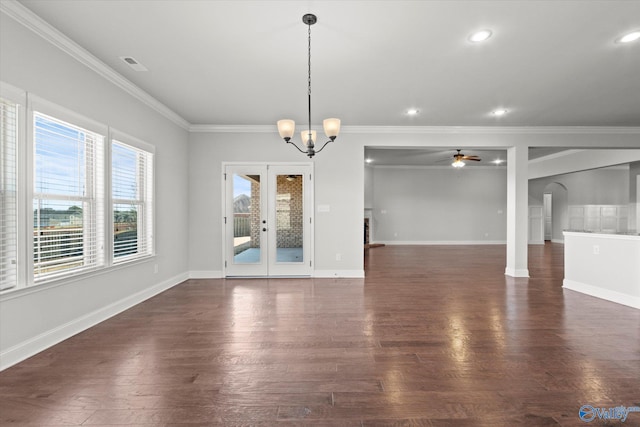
column 93, row 228
column 146, row 199
column 19, row 99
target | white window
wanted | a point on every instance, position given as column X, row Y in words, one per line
column 8, row 193
column 68, row 194
column 132, row 198
column 72, row 200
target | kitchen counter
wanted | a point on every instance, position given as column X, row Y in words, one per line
column 603, row 265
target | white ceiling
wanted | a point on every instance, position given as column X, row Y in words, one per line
column 551, row 63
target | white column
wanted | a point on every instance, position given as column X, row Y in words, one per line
column 517, row 211
column 637, row 211
column 634, row 197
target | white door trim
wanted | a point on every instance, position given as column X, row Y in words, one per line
column 273, row 269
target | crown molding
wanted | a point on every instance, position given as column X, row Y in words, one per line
column 557, row 155
column 492, row 130
column 469, row 130
column 439, row 167
column 37, row 25
column 573, row 152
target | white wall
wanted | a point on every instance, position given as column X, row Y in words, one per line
column 32, row 319
column 368, row 187
column 439, row 205
column 575, row 160
column 338, row 183
column 609, row 186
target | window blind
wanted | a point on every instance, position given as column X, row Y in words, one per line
column 132, row 198
column 8, row 194
column 68, row 218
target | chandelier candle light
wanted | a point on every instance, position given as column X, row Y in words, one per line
column 286, row 127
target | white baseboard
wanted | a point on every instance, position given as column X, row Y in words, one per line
column 536, row 242
column 557, row 241
column 443, row 242
column 516, row 272
column 317, row 273
column 32, row 346
column 339, row 274
column 213, row 274
column 606, row 294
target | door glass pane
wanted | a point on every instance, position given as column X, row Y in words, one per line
column 289, row 218
column 246, row 219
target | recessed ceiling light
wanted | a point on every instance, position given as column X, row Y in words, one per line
column 368, row 160
column 631, row 37
column 499, row 112
column 498, row 161
column 412, row 112
column 480, row 36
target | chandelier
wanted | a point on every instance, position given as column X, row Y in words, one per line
column 286, row 127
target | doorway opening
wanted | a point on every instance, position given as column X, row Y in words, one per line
column 547, row 203
column 556, row 212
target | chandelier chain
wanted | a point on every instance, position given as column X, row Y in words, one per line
column 286, row 127
column 309, row 60
column 309, row 78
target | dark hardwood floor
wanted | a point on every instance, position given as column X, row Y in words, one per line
column 434, row 336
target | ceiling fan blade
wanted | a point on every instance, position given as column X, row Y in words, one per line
column 471, row 157
column 477, row 159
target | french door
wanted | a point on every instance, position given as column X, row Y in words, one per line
column 268, row 220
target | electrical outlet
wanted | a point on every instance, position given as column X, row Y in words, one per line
column 155, row 268
column 596, row 250
column 338, row 257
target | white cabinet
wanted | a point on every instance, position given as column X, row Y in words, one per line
column 599, row 218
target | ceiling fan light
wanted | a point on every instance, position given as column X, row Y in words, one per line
column 331, row 127
column 457, row 164
column 286, row 128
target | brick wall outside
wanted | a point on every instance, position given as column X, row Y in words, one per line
column 289, row 213
column 255, row 216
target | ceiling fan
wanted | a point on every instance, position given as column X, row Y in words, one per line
column 459, row 157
